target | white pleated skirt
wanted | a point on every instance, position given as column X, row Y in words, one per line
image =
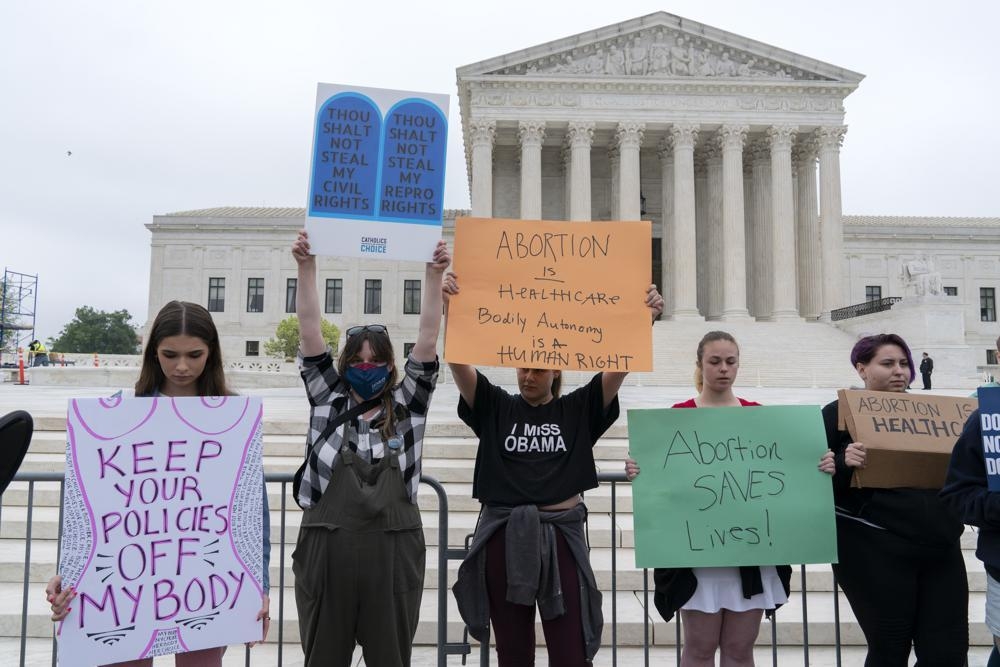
column 721, row 588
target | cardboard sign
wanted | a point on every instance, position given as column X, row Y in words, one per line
column 989, row 417
column 560, row 295
column 376, row 185
column 908, row 438
column 731, row 486
column 162, row 526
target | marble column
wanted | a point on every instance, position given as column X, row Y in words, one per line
column 702, row 228
column 831, row 221
column 810, row 260
column 783, row 223
column 759, row 242
column 531, row 134
column 715, row 262
column 748, row 226
column 581, row 135
column 565, row 156
column 734, row 285
column 483, row 135
column 629, row 138
column 614, row 164
column 665, row 153
column 682, row 240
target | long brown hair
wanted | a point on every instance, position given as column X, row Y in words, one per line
column 382, row 350
column 183, row 318
column 710, row 337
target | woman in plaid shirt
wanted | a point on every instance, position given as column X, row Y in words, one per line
column 359, row 560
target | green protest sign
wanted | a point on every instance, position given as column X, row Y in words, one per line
column 731, row 486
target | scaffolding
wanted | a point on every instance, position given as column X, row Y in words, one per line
column 18, row 301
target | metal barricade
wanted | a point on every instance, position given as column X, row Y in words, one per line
column 446, row 553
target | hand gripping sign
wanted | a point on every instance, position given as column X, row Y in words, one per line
column 162, row 526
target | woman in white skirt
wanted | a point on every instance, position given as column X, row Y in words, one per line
column 721, row 607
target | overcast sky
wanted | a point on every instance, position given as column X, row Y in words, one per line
column 170, row 106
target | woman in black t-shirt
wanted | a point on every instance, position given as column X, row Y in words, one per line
column 535, row 458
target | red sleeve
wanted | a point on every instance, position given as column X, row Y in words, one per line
column 690, row 403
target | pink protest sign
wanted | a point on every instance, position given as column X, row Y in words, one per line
column 162, row 526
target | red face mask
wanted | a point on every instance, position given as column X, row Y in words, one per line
column 365, row 366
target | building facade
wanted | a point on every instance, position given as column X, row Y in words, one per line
column 729, row 146
column 237, row 262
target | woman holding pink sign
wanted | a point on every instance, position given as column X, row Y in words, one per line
column 182, row 358
column 721, row 607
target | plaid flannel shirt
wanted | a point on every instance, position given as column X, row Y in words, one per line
column 329, row 395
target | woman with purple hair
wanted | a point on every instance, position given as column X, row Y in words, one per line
column 901, row 564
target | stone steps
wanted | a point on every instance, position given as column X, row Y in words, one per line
column 820, row 351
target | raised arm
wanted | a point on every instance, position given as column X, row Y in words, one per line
column 425, row 348
column 311, row 341
column 463, row 374
column 612, row 382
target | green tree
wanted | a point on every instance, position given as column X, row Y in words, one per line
column 285, row 343
column 97, row 331
column 8, row 318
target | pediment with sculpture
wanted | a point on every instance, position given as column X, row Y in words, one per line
column 660, row 52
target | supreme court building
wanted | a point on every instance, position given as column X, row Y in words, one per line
column 731, row 147
column 715, row 137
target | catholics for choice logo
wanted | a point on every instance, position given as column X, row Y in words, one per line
column 374, row 245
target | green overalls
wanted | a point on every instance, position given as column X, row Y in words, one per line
column 359, row 566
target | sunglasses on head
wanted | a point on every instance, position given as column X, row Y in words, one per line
column 371, row 328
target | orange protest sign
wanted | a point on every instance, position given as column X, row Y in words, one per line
column 560, row 295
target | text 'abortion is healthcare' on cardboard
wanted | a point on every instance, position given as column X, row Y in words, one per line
column 908, row 438
column 560, row 295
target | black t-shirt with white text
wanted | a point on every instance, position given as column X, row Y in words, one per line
column 535, row 454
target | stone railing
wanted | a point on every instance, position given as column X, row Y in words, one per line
column 865, row 308
column 260, row 364
column 95, row 360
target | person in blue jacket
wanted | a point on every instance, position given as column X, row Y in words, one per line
column 967, row 493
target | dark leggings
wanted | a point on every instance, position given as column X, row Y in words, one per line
column 514, row 624
column 904, row 594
